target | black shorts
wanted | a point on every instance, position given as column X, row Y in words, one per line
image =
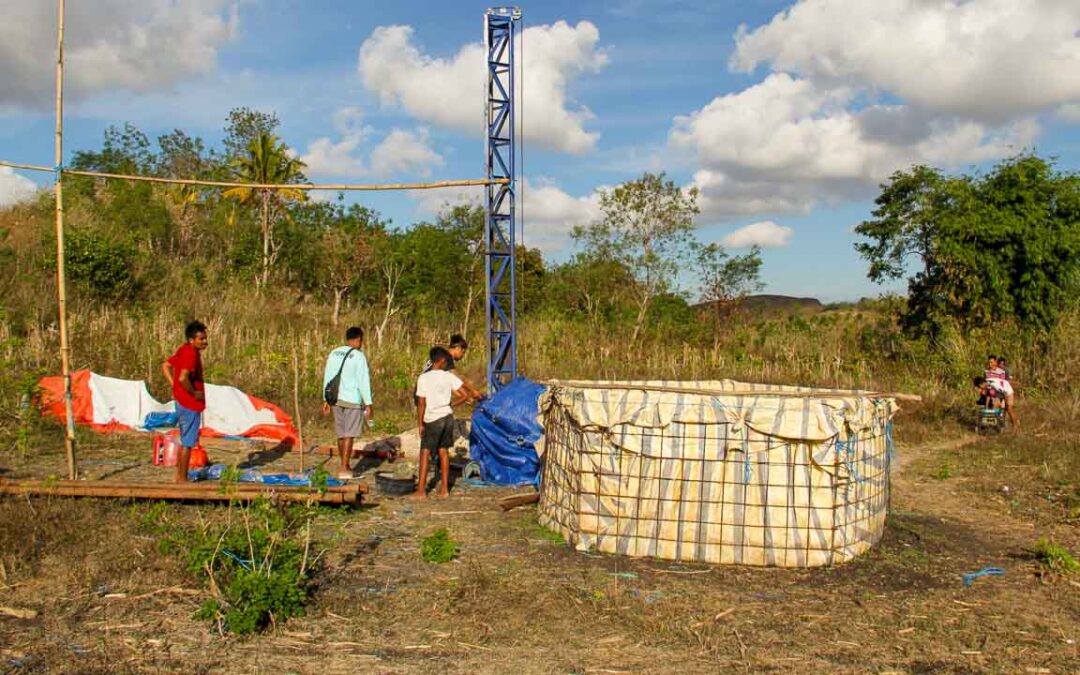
column 438, row 434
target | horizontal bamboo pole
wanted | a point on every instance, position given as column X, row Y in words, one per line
column 343, row 187
column 816, row 393
column 209, row 491
column 28, row 167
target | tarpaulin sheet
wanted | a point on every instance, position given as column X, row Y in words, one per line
column 716, row 472
column 110, row 404
column 215, row 471
column 504, row 432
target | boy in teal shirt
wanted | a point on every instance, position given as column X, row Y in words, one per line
column 353, row 402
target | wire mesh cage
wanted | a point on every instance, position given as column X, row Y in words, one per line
column 716, row 472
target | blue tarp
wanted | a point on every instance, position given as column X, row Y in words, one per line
column 214, row 471
column 504, row 434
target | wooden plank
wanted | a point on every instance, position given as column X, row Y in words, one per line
column 513, row 501
column 190, row 491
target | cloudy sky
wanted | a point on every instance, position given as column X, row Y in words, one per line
column 786, row 115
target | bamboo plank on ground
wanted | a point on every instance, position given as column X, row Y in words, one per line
column 203, row 491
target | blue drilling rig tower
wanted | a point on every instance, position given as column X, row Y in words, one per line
column 501, row 25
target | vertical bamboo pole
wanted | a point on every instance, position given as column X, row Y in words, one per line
column 296, row 404
column 61, row 278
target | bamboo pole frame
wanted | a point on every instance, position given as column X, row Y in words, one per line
column 814, row 393
column 58, row 171
column 61, row 277
column 296, row 403
column 342, row 187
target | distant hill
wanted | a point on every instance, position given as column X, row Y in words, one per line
column 770, row 306
column 781, row 304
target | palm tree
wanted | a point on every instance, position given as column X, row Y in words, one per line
column 267, row 162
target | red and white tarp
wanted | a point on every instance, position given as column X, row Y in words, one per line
column 110, row 404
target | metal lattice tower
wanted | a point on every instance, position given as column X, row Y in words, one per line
column 500, row 26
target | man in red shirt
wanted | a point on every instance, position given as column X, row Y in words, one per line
column 185, row 373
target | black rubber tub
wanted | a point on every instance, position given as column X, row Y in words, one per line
column 390, row 485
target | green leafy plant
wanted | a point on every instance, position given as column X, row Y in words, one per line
column 230, row 476
column 439, row 547
column 943, row 473
column 258, row 565
column 319, row 479
column 1055, row 556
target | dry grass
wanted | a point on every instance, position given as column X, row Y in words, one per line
column 517, row 602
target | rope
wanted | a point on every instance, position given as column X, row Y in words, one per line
column 262, row 186
column 243, row 562
column 521, row 173
column 521, row 138
column 849, row 449
column 970, row 577
column 747, row 471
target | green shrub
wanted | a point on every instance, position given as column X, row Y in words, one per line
column 439, row 547
column 104, row 269
column 261, row 563
column 1055, row 556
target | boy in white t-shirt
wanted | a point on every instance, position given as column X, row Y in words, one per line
column 437, row 391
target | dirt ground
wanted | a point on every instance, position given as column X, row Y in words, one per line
column 101, row 598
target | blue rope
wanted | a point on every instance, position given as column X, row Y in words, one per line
column 246, row 564
column 747, row 471
column 970, row 577
column 891, row 448
column 848, row 449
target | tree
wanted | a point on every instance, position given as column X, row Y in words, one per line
column 125, row 150
column 391, row 268
column 726, row 279
column 531, row 278
column 465, row 224
column 244, row 126
column 996, row 247
column 645, row 225
column 595, row 289
column 182, row 156
column 347, row 245
column 267, row 161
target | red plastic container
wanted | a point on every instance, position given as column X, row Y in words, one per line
column 166, row 449
column 197, row 459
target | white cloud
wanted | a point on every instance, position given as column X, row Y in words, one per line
column 987, row 60
column 433, row 202
column 765, row 234
column 550, row 214
column 787, row 143
column 129, row 44
column 399, row 152
column 445, row 92
column 14, row 188
column 402, row 151
column 1070, row 112
column 861, row 89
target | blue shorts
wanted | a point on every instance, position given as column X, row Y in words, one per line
column 189, row 422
